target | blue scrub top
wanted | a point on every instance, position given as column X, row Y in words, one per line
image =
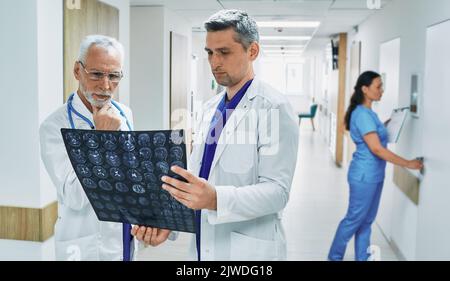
column 366, row 166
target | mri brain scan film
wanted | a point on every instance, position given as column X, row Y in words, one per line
column 121, row 175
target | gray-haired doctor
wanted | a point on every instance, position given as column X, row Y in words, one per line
column 244, row 156
column 79, row 235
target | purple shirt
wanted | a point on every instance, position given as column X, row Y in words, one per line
column 223, row 112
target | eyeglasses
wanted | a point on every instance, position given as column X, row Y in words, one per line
column 114, row 77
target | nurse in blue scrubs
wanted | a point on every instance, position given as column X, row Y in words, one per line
column 366, row 171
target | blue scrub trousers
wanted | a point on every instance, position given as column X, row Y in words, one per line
column 362, row 210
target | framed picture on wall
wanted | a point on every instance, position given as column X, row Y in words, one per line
column 415, row 95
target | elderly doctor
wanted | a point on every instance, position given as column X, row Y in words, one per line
column 244, row 158
column 79, row 235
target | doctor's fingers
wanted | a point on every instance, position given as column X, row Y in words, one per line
column 186, row 187
column 134, row 230
column 148, row 235
column 140, row 233
column 185, row 174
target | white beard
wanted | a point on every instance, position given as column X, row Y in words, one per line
column 94, row 102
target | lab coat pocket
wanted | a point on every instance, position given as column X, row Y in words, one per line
column 246, row 248
column 238, row 159
column 80, row 249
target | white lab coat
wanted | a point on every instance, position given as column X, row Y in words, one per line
column 79, row 235
column 252, row 179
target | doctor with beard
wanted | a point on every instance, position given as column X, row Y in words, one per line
column 79, row 235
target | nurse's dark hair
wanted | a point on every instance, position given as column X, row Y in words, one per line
column 365, row 79
column 244, row 26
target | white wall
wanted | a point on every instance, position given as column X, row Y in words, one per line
column 31, row 87
column 434, row 207
column 390, row 70
column 30, row 78
column 50, row 80
column 408, row 20
column 150, row 63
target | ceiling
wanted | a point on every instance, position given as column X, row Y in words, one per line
column 335, row 16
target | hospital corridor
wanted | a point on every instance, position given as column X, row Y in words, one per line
column 315, row 207
column 225, row 131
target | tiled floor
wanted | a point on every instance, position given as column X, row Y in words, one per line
column 318, row 201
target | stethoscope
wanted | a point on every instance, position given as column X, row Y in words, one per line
column 71, row 109
column 126, row 227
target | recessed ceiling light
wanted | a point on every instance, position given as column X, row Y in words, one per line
column 282, row 46
column 288, row 24
column 286, row 38
column 282, row 52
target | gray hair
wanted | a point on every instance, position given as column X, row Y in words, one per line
column 101, row 41
column 240, row 21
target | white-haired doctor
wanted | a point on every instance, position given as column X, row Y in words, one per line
column 79, row 235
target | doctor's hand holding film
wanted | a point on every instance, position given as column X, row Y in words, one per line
column 150, row 235
column 195, row 194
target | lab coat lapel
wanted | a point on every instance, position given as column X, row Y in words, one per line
column 235, row 118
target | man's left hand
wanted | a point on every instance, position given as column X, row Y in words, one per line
column 196, row 194
column 150, row 235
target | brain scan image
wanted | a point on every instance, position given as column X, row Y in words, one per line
column 166, row 205
column 95, row 157
column 84, row 170
column 104, row 185
column 109, row 141
column 117, row 174
column 164, row 197
column 131, row 200
column 117, row 199
column 150, row 178
column 115, row 217
column 134, row 175
column 160, row 154
column 73, row 139
column 156, row 204
column 100, row 172
column 147, row 213
column 105, row 197
column 103, row 215
column 159, row 139
column 176, row 137
column 78, row 155
column 147, row 166
column 112, row 159
column 94, row 195
column 130, row 160
column 110, row 207
column 99, row 205
column 139, row 189
column 176, row 153
column 162, row 168
column 89, row 183
column 91, row 140
column 144, row 140
column 128, row 142
column 145, row 153
column 121, row 187
column 135, row 211
column 120, row 172
column 153, row 196
column 143, row 201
